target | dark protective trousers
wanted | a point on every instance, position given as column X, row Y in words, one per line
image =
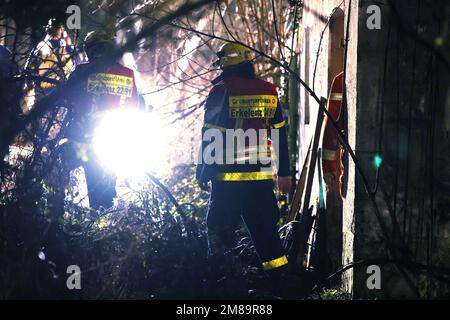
column 101, row 184
column 255, row 202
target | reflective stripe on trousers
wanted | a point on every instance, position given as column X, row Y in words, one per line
column 275, row 263
column 244, row 176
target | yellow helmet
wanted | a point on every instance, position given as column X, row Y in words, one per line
column 98, row 43
column 96, row 37
column 231, row 54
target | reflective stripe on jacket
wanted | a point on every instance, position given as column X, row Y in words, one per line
column 242, row 103
column 330, row 142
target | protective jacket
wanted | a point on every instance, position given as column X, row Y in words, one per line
column 52, row 59
column 92, row 93
column 111, row 87
column 242, row 184
column 330, row 143
column 239, row 101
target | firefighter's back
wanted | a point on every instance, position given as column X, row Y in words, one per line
column 248, row 106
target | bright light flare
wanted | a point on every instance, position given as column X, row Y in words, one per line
column 130, row 142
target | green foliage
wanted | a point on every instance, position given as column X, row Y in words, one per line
column 184, row 185
column 136, row 250
column 334, row 294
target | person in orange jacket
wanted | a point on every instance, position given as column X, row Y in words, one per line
column 331, row 149
column 333, row 170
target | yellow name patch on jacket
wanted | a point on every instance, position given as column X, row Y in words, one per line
column 107, row 83
column 252, row 106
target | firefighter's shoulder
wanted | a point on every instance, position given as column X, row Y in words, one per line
column 264, row 86
column 215, row 96
column 217, row 87
column 79, row 73
column 117, row 68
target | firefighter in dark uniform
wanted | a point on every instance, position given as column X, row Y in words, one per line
column 110, row 87
column 333, row 172
column 244, row 186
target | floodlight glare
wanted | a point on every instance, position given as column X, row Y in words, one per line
column 130, row 142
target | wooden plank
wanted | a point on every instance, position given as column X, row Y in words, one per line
column 302, row 229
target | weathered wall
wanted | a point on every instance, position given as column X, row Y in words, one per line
column 315, row 54
column 401, row 99
column 397, row 95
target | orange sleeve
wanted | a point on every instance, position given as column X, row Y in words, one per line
column 330, row 142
